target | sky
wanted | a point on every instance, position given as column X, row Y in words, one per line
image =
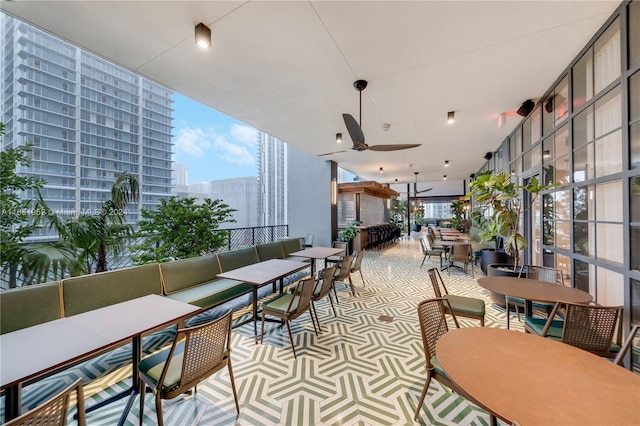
column 212, row 145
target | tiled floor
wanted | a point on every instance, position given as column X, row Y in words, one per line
column 363, row 369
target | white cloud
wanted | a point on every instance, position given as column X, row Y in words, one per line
column 233, row 153
column 244, row 134
column 192, row 141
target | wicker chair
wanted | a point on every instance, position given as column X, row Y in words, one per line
column 428, row 250
column 289, row 306
column 461, row 306
column 53, row 412
column 461, row 253
column 357, row 267
column 626, row 346
column 588, row 327
column 322, row 289
column 534, row 272
column 196, row 353
column 342, row 273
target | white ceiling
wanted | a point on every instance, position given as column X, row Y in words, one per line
column 287, row 67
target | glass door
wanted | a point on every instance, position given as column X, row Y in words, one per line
column 532, row 230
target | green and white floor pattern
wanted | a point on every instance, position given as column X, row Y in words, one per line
column 362, row 370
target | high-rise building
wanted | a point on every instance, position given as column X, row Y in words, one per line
column 240, row 194
column 179, row 174
column 89, row 120
column 272, row 180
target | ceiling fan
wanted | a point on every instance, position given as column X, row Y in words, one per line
column 355, row 130
column 415, row 188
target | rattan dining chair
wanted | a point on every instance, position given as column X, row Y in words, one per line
column 195, row 354
column 433, row 324
column 322, row 289
column 534, row 272
column 54, row 411
column 289, row 306
column 342, row 272
column 461, row 306
column 588, row 327
column 357, row 267
column 461, row 253
column 626, row 346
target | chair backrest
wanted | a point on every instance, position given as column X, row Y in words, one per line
column 303, row 295
column 340, row 244
column 53, row 412
column 542, row 273
column 589, row 327
column 206, row 346
column 308, row 240
column 343, row 268
column 357, row 263
column 461, row 253
column 426, row 244
column 433, row 324
column 324, row 283
column 628, row 343
column 437, row 282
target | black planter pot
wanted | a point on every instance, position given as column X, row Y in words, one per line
column 489, row 256
column 500, row 270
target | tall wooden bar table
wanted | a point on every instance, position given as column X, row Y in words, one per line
column 530, row 290
column 537, row 381
column 262, row 273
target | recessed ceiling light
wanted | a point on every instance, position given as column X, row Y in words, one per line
column 446, row 163
column 203, row 35
column 450, row 117
column 444, row 177
column 338, row 137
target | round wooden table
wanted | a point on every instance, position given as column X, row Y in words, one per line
column 529, row 290
column 538, row 381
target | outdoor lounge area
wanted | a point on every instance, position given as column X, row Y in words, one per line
column 524, row 115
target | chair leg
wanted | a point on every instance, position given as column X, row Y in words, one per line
column 233, row 386
column 351, row 286
column 291, row 338
column 424, row 394
column 364, row 283
column 506, row 305
column 313, row 321
column 159, row 409
column 262, row 328
column 332, row 306
column 143, row 387
column 482, row 322
column 518, row 313
column 335, row 292
column 423, row 259
column 492, row 420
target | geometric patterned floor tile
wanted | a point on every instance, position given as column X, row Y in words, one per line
column 360, row 370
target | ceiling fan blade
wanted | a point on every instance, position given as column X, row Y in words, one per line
column 353, row 128
column 424, row 190
column 393, row 147
column 331, row 153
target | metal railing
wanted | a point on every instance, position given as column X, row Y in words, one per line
column 237, row 238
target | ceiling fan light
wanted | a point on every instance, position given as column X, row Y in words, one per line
column 450, row 117
column 203, row 36
column 338, row 137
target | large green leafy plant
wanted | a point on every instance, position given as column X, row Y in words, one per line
column 502, row 200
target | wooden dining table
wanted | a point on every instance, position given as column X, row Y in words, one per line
column 530, row 290
column 318, row 253
column 537, row 381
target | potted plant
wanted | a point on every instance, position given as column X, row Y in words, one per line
column 349, row 232
column 501, row 197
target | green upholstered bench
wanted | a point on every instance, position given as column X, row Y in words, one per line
column 238, row 258
column 194, row 281
column 94, row 291
column 270, row 251
column 291, row 245
column 28, row 306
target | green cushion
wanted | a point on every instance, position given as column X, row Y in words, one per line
column 289, row 246
column 537, row 325
column 270, row 251
column 182, row 274
column 152, row 367
column 28, row 306
column 94, row 291
column 466, row 305
column 208, row 295
column 238, row 258
column 281, row 303
column 437, row 367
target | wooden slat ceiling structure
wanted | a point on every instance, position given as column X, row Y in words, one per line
column 370, row 187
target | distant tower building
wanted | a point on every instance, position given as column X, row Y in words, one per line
column 272, row 180
column 179, row 174
column 200, row 188
column 88, row 120
column 240, row 194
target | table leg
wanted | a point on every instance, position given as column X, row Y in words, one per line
column 528, row 308
column 313, row 266
column 136, row 357
column 254, row 303
column 12, row 402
